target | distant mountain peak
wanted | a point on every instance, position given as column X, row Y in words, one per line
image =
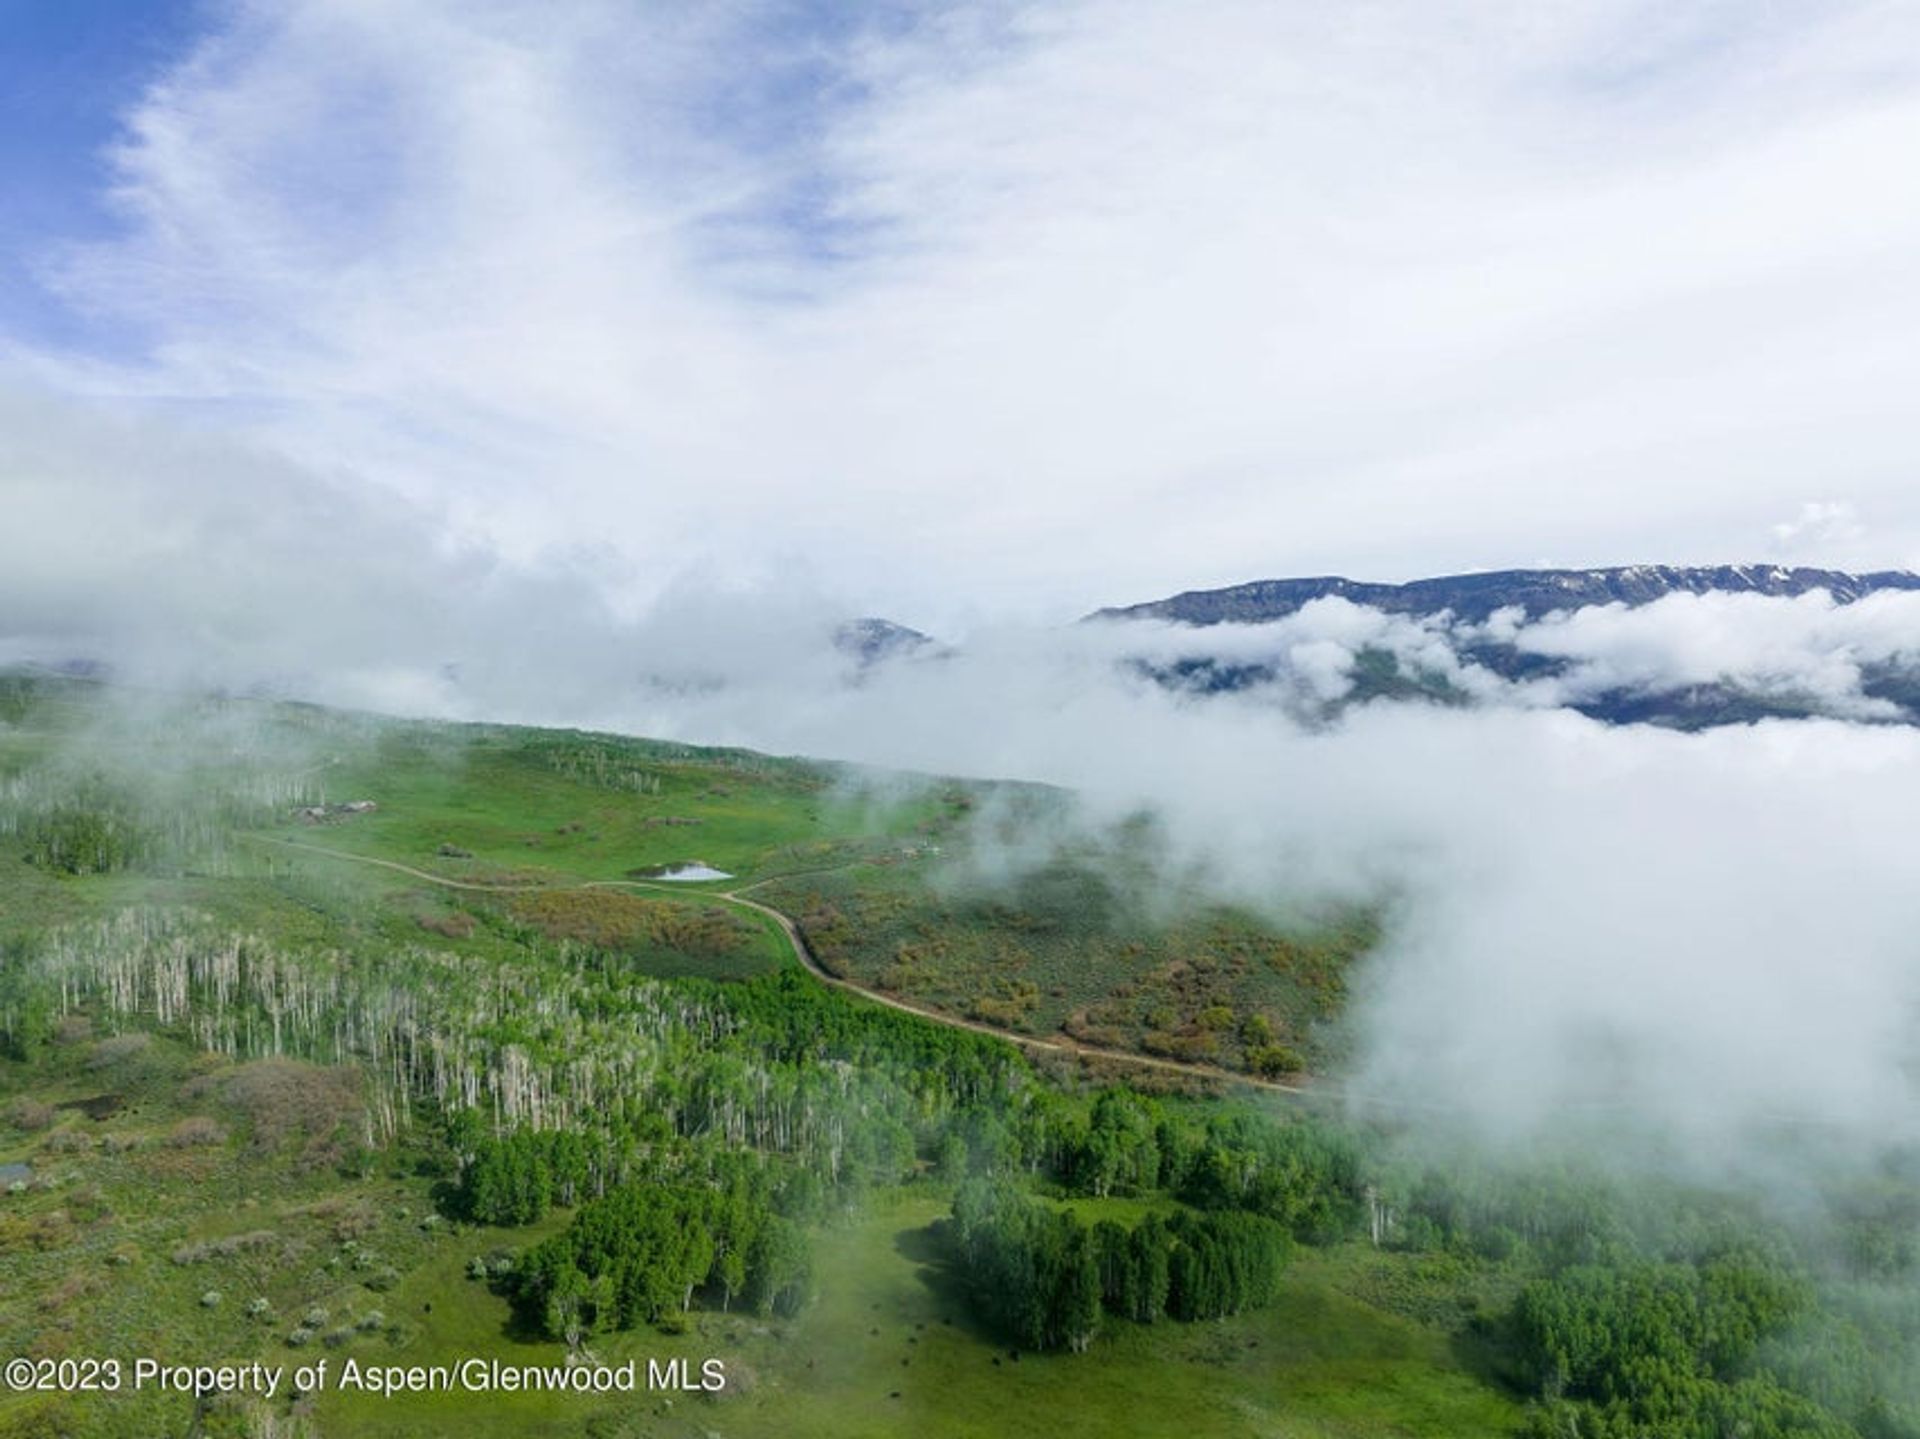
column 1473, row 597
column 870, row 640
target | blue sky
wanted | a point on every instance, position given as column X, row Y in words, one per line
column 71, row 74
column 69, row 69
column 997, row 306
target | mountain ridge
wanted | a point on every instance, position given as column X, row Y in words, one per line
column 1476, row 595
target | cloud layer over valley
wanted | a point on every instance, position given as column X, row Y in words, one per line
column 588, row 364
column 1696, row 936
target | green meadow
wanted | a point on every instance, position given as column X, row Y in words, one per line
column 325, row 1037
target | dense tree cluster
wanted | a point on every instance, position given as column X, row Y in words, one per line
column 1557, row 1215
column 1665, row 1348
column 1032, row 1268
column 1656, row 1310
column 1590, row 1329
column 84, row 840
column 557, row 1040
column 1223, row 1264
column 516, row 1178
column 1306, row 1175
column 1042, row 1276
column 640, row 1253
column 1117, row 1150
column 104, row 822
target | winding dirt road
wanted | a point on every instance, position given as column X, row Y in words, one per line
column 802, row 952
column 1061, row 1045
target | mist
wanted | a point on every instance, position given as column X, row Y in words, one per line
column 1713, row 932
column 594, row 370
column 1703, row 936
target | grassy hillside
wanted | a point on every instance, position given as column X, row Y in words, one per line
column 883, row 873
column 329, row 1037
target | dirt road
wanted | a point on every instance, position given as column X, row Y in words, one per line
column 1055, row 1044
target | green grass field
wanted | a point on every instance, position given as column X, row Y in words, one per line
column 178, row 1192
column 192, row 1206
column 882, row 873
column 888, row 1349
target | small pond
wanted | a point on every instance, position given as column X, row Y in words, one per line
column 693, row 871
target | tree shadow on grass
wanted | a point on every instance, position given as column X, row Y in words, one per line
column 520, row 1328
column 521, row 1324
column 930, row 1249
column 926, row 1244
column 1485, row 1350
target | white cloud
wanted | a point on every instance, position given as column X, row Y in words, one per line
column 1692, row 939
column 466, row 340
column 1820, row 525
column 1806, row 647
column 1021, row 308
column 1694, row 936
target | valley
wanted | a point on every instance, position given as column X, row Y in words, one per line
column 334, row 1037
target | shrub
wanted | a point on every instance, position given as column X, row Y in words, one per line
column 30, row 1115
column 456, row 925
column 196, row 1131
column 284, row 1097
column 89, row 1203
column 224, row 1247
column 72, row 1028
column 1271, row 1059
column 624, row 923
column 118, row 1049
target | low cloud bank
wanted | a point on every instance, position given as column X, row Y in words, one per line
column 1703, row 937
